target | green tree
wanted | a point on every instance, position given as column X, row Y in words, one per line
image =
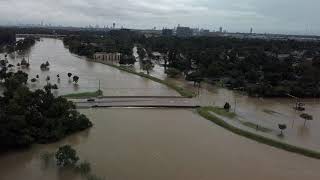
column 172, row 72
column 147, row 66
column 66, row 156
column 69, row 75
column 306, row 118
column 227, row 106
column 282, row 127
column 75, row 79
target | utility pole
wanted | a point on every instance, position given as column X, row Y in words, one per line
column 235, row 104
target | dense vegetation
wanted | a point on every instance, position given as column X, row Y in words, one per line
column 28, row 117
column 25, row 43
column 269, row 68
column 9, row 44
column 113, row 41
column 6, row 37
column 260, row 67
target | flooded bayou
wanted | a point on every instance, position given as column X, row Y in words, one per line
column 162, row 144
column 112, row 81
column 171, row 144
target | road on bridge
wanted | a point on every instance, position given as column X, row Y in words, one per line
column 169, row 102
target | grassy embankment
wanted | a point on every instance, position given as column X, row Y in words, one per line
column 205, row 112
column 182, row 91
column 222, row 112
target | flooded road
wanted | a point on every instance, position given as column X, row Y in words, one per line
column 267, row 112
column 112, row 81
column 175, row 144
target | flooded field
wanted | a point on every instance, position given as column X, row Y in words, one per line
column 267, row 112
column 112, row 81
column 162, row 144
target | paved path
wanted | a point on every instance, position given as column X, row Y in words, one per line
column 169, row 102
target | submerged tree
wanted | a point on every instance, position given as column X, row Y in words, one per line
column 33, row 80
column 306, row 118
column 66, row 156
column 55, row 87
column 227, row 106
column 75, row 79
column 69, row 75
column 48, row 79
column 147, row 66
column 282, row 127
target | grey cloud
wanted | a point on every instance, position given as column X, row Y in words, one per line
column 283, row 16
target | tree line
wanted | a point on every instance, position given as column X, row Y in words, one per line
column 86, row 44
column 255, row 66
column 268, row 68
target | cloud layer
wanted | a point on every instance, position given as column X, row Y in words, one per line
column 276, row 16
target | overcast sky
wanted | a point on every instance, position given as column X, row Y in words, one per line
column 274, row 16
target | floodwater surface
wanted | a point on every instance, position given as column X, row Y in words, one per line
column 175, row 144
column 113, row 82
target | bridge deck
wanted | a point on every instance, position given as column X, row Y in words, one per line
column 169, row 102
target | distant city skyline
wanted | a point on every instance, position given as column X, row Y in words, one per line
column 272, row 16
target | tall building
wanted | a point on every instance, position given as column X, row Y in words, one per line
column 220, row 29
column 251, row 30
column 167, row 32
column 204, row 32
column 195, row 31
column 184, row 31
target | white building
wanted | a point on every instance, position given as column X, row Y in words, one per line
column 107, row 57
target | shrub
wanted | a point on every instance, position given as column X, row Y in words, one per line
column 66, row 156
column 227, row 106
column 172, row 72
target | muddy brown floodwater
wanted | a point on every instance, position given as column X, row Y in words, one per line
column 158, row 144
column 112, row 81
column 267, row 112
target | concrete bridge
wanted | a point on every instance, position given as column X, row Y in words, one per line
column 137, row 101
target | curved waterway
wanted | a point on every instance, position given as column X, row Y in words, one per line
column 113, row 82
column 175, row 144
column 171, row 144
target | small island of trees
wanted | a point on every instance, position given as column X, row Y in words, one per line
column 28, row 117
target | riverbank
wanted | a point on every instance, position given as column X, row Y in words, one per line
column 205, row 112
column 182, row 91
